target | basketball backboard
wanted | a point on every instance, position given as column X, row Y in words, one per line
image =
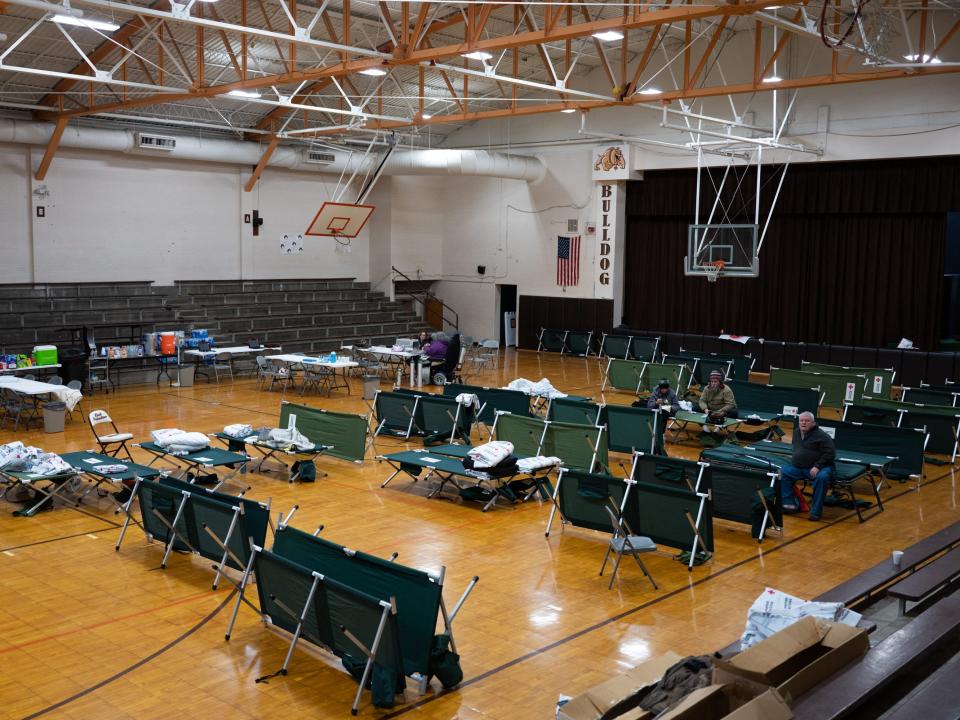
column 735, row 245
column 342, row 220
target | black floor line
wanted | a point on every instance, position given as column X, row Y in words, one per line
column 140, row 663
column 221, row 404
column 58, row 539
column 643, row 606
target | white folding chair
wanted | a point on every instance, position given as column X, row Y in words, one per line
column 623, row 541
column 110, row 443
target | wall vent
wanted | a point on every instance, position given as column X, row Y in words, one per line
column 320, row 158
column 149, row 141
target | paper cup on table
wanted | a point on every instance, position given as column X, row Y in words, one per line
column 897, row 557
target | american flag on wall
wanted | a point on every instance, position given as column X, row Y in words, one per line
column 568, row 260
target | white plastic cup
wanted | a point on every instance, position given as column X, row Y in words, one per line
column 897, row 556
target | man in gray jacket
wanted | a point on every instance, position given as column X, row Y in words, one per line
column 812, row 459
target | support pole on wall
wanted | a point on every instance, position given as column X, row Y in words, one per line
column 264, row 159
column 51, row 149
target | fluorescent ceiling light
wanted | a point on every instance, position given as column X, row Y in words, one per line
column 374, row 72
column 569, row 110
column 651, row 91
column 478, row 55
column 608, row 35
column 86, row 23
column 773, row 79
column 426, row 116
column 926, row 59
column 244, row 93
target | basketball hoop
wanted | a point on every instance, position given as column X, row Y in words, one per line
column 712, row 269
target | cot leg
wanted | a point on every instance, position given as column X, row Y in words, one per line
column 240, row 590
column 387, row 481
column 126, row 510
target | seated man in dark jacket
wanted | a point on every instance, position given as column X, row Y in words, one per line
column 664, row 398
column 812, row 459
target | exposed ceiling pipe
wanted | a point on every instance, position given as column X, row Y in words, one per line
column 48, row 7
column 410, row 162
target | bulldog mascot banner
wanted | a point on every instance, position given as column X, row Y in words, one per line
column 611, row 167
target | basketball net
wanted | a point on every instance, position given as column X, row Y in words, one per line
column 712, row 269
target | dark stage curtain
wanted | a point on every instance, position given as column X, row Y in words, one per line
column 853, row 255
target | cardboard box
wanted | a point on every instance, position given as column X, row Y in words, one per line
column 799, row 657
column 618, row 695
column 732, row 701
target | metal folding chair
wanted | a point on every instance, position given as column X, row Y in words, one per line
column 623, row 541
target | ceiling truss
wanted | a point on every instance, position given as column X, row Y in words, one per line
column 297, row 71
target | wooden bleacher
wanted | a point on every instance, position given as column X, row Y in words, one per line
column 928, row 579
column 840, row 696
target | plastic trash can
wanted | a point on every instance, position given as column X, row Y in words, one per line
column 371, row 383
column 187, row 373
column 54, row 416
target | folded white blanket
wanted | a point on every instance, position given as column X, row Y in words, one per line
column 469, row 400
column 289, row 436
column 541, row 388
column 175, row 440
column 490, row 454
column 537, row 462
column 238, row 430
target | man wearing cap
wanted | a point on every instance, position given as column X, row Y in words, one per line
column 716, row 399
column 663, row 398
column 812, row 459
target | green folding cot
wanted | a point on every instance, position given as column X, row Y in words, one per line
column 214, row 525
column 700, row 367
column 491, row 400
column 879, row 381
column 303, row 456
column 194, row 463
column 443, row 419
column 576, row 411
column 746, row 488
column 396, row 414
column 94, row 467
column 358, row 628
column 777, row 402
column 927, row 396
column 677, row 375
column 644, row 348
column 681, row 421
column 837, row 388
column 343, row 434
column 486, row 486
column 580, row 342
column 578, row 446
column 47, row 487
column 552, row 340
column 675, row 516
column 615, row 346
column 634, row 428
column 740, row 365
column 941, row 422
column 903, row 446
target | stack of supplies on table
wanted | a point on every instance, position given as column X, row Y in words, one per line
column 15, row 457
column 179, row 442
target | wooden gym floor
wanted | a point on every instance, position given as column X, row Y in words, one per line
column 86, row 632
